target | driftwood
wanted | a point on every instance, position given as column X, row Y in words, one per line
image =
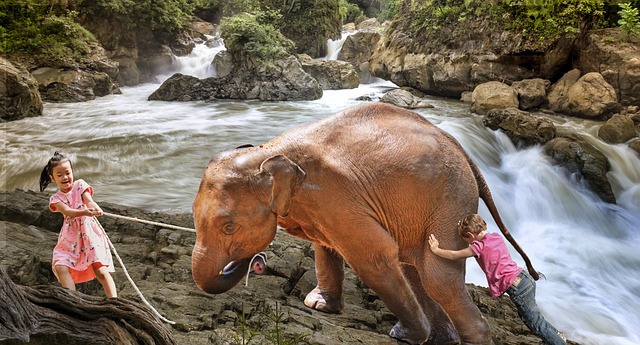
column 53, row 315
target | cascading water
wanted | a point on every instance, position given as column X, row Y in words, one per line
column 152, row 154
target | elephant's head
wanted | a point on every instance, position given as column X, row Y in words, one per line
column 235, row 213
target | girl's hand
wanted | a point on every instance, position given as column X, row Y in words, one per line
column 433, row 243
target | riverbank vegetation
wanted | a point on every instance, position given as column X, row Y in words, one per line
column 49, row 30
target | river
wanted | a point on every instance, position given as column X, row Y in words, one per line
column 152, row 154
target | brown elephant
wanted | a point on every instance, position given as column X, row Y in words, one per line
column 366, row 186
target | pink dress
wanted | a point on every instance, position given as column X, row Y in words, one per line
column 81, row 242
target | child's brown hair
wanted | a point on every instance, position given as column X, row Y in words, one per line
column 472, row 223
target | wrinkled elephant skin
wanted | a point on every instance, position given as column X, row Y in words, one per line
column 366, row 186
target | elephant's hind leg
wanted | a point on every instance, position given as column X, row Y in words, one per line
column 327, row 295
column 377, row 264
column 442, row 330
column 449, row 290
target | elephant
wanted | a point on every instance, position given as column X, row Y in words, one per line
column 366, row 186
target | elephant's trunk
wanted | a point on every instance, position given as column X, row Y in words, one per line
column 212, row 277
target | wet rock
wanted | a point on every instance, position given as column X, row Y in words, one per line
column 330, row 74
column 284, row 80
column 404, row 99
column 493, row 95
column 558, row 95
column 591, row 97
column 520, row 126
column 357, row 50
column 19, row 96
column 618, row 129
column 579, row 157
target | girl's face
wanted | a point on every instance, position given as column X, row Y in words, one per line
column 62, row 175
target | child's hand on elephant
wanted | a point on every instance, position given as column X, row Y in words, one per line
column 433, row 242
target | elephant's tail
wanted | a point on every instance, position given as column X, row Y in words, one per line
column 485, row 195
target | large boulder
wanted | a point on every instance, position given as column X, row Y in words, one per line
column 357, row 50
column 618, row 129
column 532, row 93
column 618, row 61
column 284, row 80
column 521, row 127
column 591, row 97
column 19, row 96
column 587, row 96
column 493, row 95
column 64, row 85
column 581, row 158
column 330, row 74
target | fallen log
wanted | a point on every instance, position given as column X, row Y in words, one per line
column 54, row 315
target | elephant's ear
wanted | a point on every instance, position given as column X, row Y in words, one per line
column 287, row 178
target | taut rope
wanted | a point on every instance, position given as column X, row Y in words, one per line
column 168, row 226
column 126, row 273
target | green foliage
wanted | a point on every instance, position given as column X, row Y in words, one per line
column 36, row 28
column 263, row 325
column 629, row 20
column 353, row 13
column 309, row 23
column 168, row 15
column 250, row 37
column 389, row 9
column 536, row 20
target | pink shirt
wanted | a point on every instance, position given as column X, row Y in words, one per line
column 493, row 257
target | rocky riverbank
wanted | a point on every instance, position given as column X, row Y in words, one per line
column 270, row 306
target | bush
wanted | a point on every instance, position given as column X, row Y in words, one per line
column 34, row 28
column 250, row 37
column 629, row 21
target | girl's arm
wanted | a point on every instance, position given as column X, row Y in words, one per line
column 92, row 205
column 446, row 253
column 72, row 213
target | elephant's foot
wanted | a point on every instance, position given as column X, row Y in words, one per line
column 409, row 336
column 318, row 300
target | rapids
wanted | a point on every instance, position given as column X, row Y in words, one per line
column 152, row 154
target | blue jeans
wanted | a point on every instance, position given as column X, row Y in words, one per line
column 524, row 297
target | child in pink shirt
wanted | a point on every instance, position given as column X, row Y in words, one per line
column 503, row 274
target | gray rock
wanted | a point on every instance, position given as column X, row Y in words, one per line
column 520, row 126
column 558, row 95
column 282, row 81
column 579, row 157
column 532, row 93
column 19, row 96
column 357, row 50
column 330, row 74
column 404, row 99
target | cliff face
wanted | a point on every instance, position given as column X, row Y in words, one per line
column 159, row 261
column 449, row 64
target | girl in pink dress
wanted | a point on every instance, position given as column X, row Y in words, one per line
column 82, row 252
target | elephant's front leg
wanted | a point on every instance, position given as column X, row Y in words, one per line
column 327, row 296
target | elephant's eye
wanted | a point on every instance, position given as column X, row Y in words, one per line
column 230, row 228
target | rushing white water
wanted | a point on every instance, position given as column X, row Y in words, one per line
column 152, row 154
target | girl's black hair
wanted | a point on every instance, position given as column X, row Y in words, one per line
column 45, row 176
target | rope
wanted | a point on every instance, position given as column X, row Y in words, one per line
column 126, row 273
column 168, row 226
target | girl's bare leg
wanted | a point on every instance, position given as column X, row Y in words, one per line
column 104, row 277
column 64, row 277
